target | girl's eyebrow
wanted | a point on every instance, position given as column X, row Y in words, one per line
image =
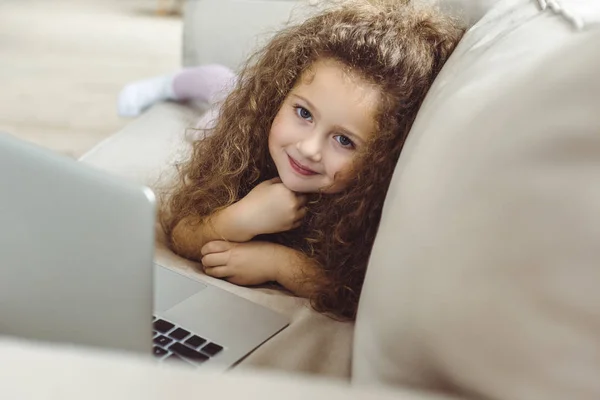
column 342, row 130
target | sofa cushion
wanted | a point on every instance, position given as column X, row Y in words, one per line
column 483, row 278
column 470, row 11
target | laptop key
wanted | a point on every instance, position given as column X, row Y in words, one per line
column 179, row 334
column 158, row 352
column 195, row 341
column 212, row 349
column 175, row 357
column 162, row 326
column 186, row 352
column 162, row 340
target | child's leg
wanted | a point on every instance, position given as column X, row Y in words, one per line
column 208, row 83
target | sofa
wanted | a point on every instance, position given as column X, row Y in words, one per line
column 483, row 280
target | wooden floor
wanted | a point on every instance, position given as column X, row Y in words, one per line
column 63, row 62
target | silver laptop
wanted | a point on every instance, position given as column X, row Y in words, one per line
column 76, row 266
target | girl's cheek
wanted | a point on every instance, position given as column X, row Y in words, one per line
column 342, row 173
column 340, row 182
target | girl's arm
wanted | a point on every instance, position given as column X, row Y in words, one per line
column 189, row 235
column 269, row 208
column 257, row 262
column 296, row 272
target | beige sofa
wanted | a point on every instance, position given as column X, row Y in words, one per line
column 483, row 282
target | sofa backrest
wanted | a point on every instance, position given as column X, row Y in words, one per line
column 227, row 31
column 483, row 278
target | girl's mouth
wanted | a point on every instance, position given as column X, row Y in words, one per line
column 300, row 169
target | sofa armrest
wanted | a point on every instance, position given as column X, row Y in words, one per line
column 40, row 371
column 147, row 147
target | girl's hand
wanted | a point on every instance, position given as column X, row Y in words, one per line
column 270, row 208
column 249, row 263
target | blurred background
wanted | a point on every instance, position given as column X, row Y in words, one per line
column 63, row 63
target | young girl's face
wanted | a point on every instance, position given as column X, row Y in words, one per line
column 326, row 118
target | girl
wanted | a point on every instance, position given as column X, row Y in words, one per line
column 290, row 184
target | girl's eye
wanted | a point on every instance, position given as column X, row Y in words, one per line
column 303, row 113
column 344, row 141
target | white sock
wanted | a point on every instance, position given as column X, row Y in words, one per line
column 137, row 96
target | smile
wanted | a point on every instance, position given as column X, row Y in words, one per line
column 300, row 169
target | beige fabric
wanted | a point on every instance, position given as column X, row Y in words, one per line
column 470, row 11
column 145, row 152
column 228, row 31
column 484, row 276
column 33, row 371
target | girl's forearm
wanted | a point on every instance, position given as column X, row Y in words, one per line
column 295, row 271
column 189, row 237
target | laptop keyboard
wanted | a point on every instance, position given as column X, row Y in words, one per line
column 172, row 342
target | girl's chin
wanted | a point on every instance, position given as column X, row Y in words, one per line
column 305, row 187
column 299, row 187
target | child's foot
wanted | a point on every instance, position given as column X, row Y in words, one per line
column 137, row 96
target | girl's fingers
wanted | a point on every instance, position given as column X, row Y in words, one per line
column 216, row 246
column 218, row 272
column 269, row 182
column 301, row 213
column 302, row 200
column 215, row 259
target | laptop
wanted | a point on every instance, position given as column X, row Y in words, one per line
column 76, row 267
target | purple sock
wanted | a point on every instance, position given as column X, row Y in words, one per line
column 207, row 83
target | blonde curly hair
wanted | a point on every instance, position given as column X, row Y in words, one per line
column 399, row 48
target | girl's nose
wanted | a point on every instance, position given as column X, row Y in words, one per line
column 311, row 147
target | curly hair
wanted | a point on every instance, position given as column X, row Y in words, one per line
column 393, row 45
